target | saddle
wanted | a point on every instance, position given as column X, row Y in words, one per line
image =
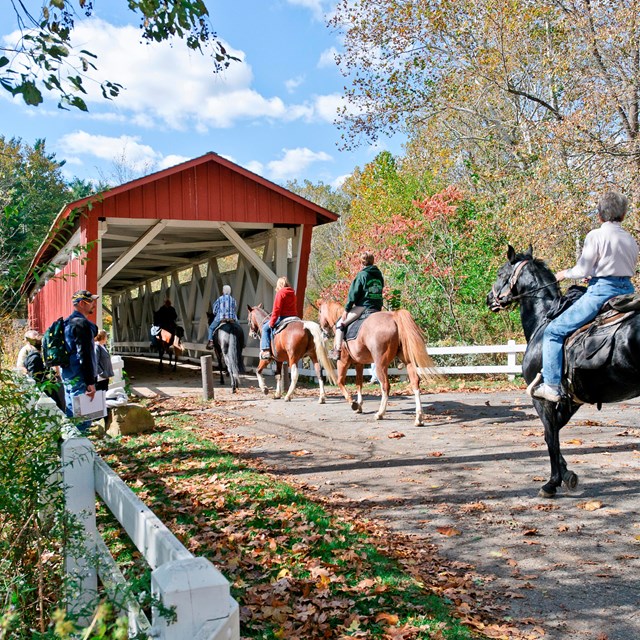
column 591, row 346
column 283, row 323
column 354, row 328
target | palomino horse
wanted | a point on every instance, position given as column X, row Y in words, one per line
column 530, row 282
column 172, row 347
column 296, row 340
column 383, row 336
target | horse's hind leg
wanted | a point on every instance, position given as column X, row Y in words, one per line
column 294, row 381
column 318, row 369
column 415, row 387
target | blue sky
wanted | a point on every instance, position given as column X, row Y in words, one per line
column 272, row 113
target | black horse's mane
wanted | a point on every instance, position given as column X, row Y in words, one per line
column 545, row 272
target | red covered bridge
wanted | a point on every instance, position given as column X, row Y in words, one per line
column 180, row 233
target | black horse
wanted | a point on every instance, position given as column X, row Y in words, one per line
column 532, row 284
column 229, row 338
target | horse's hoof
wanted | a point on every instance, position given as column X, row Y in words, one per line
column 322, row 401
column 287, row 399
column 265, row 391
column 547, row 491
column 355, row 406
column 418, row 423
column 570, row 480
column 379, row 416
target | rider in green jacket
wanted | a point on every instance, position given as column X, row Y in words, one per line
column 365, row 292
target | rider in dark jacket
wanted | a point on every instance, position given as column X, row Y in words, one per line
column 365, row 292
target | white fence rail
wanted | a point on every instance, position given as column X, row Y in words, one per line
column 197, row 592
column 510, row 350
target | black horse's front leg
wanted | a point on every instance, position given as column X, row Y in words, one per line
column 554, row 416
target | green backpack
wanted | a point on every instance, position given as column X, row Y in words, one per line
column 54, row 347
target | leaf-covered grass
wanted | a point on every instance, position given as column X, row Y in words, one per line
column 297, row 569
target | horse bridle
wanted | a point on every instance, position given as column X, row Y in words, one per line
column 502, row 302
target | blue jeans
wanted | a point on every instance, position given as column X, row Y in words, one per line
column 73, row 386
column 212, row 327
column 265, row 336
column 578, row 314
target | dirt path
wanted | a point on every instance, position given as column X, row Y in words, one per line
column 468, row 481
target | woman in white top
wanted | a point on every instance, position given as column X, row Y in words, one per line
column 609, row 260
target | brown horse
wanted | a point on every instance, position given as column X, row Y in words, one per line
column 172, row 347
column 296, row 340
column 383, row 336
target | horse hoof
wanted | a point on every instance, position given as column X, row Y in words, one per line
column 265, row 391
column 287, row 399
column 355, row 406
column 379, row 416
column 322, row 401
column 418, row 423
column 570, row 480
column 548, row 491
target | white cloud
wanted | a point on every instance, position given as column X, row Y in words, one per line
column 128, row 148
column 255, row 166
column 294, row 163
column 171, row 161
column 315, row 6
column 326, row 107
column 328, row 58
column 340, row 180
column 293, row 83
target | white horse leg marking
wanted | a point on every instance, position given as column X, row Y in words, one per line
column 278, row 393
column 416, row 395
column 383, row 404
column 294, row 382
column 323, row 397
column 261, row 383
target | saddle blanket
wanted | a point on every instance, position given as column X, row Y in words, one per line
column 354, row 328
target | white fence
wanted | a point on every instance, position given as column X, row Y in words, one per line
column 510, row 350
column 196, row 591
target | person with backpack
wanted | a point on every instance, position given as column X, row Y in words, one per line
column 80, row 374
column 46, row 379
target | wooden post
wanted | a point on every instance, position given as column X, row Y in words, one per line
column 206, row 365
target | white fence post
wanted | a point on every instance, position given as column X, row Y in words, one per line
column 511, row 359
column 80, row 495
column 199, row 594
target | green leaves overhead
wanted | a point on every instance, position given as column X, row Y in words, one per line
column 45, row 57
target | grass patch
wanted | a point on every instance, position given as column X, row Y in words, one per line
column 297, row 569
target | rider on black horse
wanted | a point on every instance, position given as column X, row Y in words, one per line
column 609, row 260
column 165, row 318
column 225, row 309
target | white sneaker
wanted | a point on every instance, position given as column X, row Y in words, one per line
column 548, row 392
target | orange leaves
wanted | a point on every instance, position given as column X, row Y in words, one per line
column 590, row 505
column 448, row 531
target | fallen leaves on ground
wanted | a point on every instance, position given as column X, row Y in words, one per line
column 396, row 434
column 297, row 573
column 590, row 505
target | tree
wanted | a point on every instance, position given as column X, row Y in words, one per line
column 532, row 107
column 329, row 242
column 44, row 56
column 32, row 192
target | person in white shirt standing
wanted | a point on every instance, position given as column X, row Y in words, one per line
column 608, row 260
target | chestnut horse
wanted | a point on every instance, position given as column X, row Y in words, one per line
column 296, row 340
column 164, row 344
column 383, row 336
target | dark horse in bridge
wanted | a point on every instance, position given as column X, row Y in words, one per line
column 228, row 342
column 529, row 282
column 167, row 343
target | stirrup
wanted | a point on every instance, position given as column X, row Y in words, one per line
column 265, row 355
column 209, row 346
